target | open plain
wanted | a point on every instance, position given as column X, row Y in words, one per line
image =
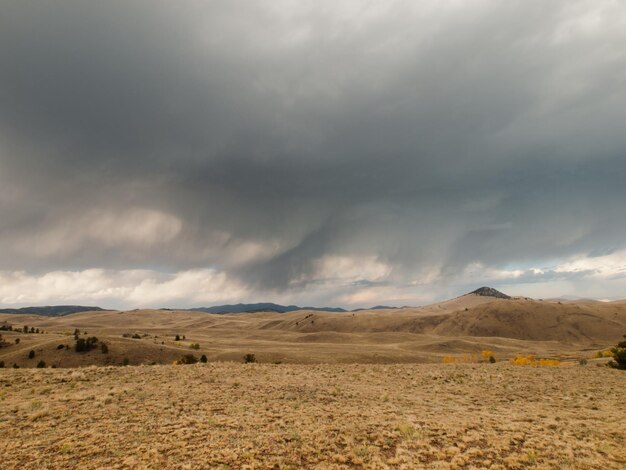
column 281, row 416
column 365, row 389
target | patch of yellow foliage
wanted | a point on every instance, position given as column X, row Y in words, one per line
column 605, row 353
column 464, row 359
column 530, row 360
column 468, row 358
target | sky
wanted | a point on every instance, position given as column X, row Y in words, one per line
column 353, row 153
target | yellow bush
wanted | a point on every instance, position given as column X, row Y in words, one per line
column 464, row 359
column 486, row 355
column 605, row 353
column 530, row 360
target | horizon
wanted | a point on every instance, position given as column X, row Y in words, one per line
column 299, row 305
column 205, row 154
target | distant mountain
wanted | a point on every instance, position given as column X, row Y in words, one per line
column 378, row 307
column 261, row 307
column 490, row 292
column 52, row 311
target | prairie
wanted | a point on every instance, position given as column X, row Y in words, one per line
column 290, row 416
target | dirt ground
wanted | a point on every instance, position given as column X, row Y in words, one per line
column 230, row 415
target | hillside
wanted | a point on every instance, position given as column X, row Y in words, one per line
column 466, row 324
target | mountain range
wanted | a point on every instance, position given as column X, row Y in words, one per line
column 59, row 310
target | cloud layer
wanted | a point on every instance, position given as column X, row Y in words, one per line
column 307, row 151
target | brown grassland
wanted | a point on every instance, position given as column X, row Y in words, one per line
column 330, row 390
column 232, row 415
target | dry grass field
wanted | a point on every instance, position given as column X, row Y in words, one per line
column 231, row 415
column 466, row 325
column 329, row 390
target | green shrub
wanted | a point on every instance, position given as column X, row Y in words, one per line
column 188, row 359
column 619, row 356
column 195, row 346
column 249, row 358
column 83, row 345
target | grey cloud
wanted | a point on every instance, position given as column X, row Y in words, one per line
column 421, row 134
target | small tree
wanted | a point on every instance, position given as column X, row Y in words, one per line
column 17, row 341
column 188, row 359
column 177, row 338
column 203, row 359
column 249, row 358
column 31, row 354
column 60, row 346
column 619, row 356
column 1, row 364
column 104, row 348
column 195, row 346
column 41, row 365
column 125, row 361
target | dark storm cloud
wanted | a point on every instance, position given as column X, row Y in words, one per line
column 260, row 138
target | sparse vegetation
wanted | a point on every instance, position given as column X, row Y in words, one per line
column 187, row 359
column 531, row 360
column 85, row 344
column 619, row 356
column 195, row 346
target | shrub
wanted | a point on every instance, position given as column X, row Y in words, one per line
column 41, row 365
column 530, row 360
column 60, row 346
column 195, row 346
column 619, row 356
column 203, row 359
column 582, row 362
column 466, row 358
column 17, row 341
column 136, row 336
column 177, row 338
column 187, row 359
column 487, row 356
column 15, row 366
column 31, row 354
column 104, row 348
column 84, row 345
column 249, row 358
column 125, row 361
column 1, row 364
